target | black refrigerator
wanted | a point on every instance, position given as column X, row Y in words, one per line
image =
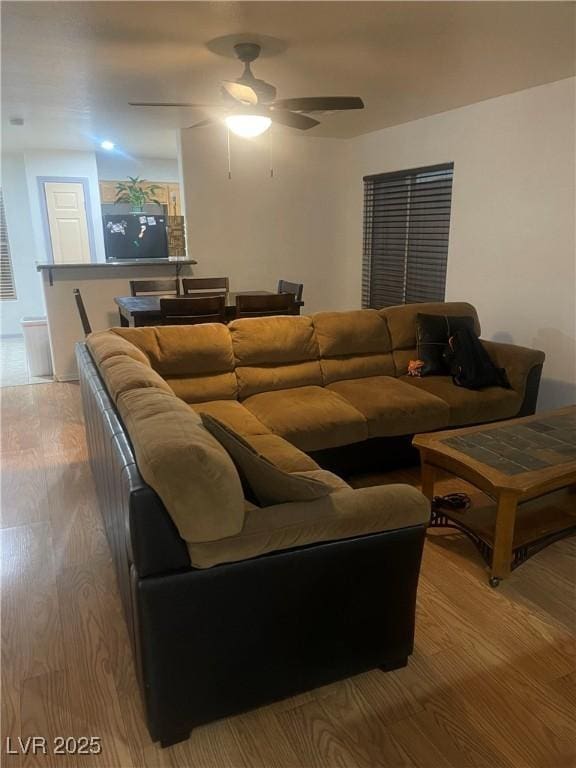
column 129, row 236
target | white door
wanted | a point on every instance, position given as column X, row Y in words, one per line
column 67, row 222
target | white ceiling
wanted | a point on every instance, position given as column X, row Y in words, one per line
column 69, row 69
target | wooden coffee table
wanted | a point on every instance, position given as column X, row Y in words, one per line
column 527, row 466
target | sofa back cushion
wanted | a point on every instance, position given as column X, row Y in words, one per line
column 122, row 365
column 106, row 344
column 195, row 360
column 402, row 326
column 122, row 373
column 353, row 345
column 275, row 353
column 188, row 468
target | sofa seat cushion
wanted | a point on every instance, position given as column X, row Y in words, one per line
column 281, row 453
column 469, row 406
column 393, row 408
column 234, row 415
column 344, row 514
column 311, row 418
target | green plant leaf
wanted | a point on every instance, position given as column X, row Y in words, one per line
column 137, row 191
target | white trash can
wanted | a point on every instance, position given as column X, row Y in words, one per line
column 37, row 343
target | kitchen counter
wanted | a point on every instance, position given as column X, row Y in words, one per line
column 124, row 263
column 51, row 268
column 99, row 284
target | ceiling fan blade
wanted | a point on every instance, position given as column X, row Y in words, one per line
column 169, row 104
column 242, row 93
column 201, row 124
column 293, row 119
column 320, row 103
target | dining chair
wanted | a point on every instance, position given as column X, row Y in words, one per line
column 87, row 328
column 252, row 305
column 205, row 286
column 286, row 287
column 167, row 286
column 193, row 310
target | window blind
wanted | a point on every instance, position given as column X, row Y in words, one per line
column 406, row 230
column 7, row 286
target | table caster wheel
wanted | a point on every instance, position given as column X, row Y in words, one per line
column 494, row 581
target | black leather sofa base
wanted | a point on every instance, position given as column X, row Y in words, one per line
column 216, row 642
column 238, row 636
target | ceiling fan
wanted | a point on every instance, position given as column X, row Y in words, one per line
column 252, row 105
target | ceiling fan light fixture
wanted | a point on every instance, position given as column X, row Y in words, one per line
column 248, row 126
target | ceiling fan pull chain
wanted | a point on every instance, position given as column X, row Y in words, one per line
column 229, row 157
column 271, row 158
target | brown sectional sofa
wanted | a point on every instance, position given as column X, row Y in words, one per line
column 320, row 381
column 231, row 605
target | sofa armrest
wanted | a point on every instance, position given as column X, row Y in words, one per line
column 518, row 362
column 343, row 514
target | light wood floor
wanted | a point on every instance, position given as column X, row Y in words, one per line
column 491, row 683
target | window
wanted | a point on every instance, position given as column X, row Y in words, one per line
column 406, row 228
column 7, row 287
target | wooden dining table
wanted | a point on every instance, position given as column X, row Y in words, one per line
column 136, row 311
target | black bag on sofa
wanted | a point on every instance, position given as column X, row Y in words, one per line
column 432, row 334
column 470, row 364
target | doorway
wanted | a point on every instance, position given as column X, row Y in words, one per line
column 67, row 220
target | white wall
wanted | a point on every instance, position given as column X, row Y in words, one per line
column 24, row 216
column 29, row 300
column 113, row 166
column 258, row 229
column 72, row 164
column 512, row 239
column 24, row 219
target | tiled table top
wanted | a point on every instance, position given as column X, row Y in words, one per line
column 518, row 448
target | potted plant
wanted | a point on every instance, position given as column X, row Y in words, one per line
column 138, row 192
